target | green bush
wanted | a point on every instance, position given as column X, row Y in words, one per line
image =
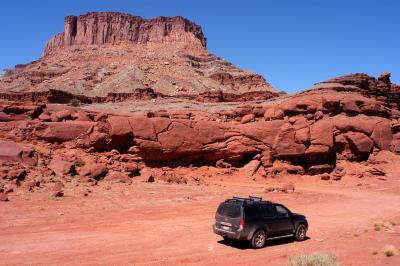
column 75, row 102
column 313, row 259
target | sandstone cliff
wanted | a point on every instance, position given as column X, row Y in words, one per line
column 108, row 27
column 103, row 53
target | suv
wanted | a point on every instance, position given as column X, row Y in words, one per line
column 256, row 220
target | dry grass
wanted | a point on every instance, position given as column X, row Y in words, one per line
column 389, row 251
column 377, row 226
column 313, row 259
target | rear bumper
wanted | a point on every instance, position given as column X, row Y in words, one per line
column 238, row 235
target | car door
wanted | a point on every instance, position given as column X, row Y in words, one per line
column 270, row 219
column 284, row 221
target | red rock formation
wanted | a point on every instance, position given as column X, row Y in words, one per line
column 116, row 57
column 99, row 28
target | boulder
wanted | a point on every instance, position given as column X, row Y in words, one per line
column 251, row 167
column 321, row 133
column 222, row 164
column 359, row 142
column 61, row 116
column 273, row 113
column 142, row 127
column 248, row 118
column 285, row 144
column 118, row 177
column 319, row 169
column 382, row 135
column 121, row 136
column 63, row 131
column 61, row 167
column 58, row 189
column 94, row 170
column 13, row 152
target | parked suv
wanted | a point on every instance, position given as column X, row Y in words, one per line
column 256, row 220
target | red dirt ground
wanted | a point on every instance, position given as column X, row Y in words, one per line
column 169, row 224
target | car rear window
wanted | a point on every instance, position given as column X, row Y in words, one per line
column 229, row 210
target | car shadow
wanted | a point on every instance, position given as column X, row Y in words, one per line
column 246, row 245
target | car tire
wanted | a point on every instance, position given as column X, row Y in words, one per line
column 227, row 239
column 258, row 240
column 301, row 233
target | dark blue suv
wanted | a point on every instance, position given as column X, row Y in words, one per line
column 256, row 220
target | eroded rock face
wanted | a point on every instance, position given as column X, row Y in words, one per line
column 304, row 133
column 107, row 27
column 114, row 57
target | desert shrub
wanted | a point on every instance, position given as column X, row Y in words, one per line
column 389, row 251
column 75, row 102
column 313, row 259
column 377, row 226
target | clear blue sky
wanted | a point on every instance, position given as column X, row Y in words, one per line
column 293, row 44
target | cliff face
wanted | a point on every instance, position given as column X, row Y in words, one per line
column 105, row 27
column 105, row 53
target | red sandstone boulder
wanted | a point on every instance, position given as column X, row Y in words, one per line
column 61, row 167
column 142, row 127
column 359, row 123
column 251, row 167
column 45, row 117
column 322, row 133
column 359, row 142
column 273, row 113
column 63, row 131
column 247, row 118
column 12, row 152
column 243, row 110
column 61, row 115
column 382, row 135
column 58, row 189
column 118, row 177
column 94, row 170
column 121, row 136
column 82, row 116
column 285, row 144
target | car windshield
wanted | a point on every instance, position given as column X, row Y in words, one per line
column 229, row 210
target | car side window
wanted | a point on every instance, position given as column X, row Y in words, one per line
column 282, row 212
column 267, row 211
column 251, row 212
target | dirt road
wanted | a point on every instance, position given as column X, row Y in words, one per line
column 164, row 224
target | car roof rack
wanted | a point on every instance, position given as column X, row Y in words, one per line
column 249, row 199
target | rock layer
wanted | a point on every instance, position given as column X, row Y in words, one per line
column 99, row 28
column 312, row 129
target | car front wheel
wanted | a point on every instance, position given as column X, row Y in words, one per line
column 301, row 233
column 258, row 239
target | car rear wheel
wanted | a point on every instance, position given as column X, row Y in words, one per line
column 301, row 233
column 258, row 239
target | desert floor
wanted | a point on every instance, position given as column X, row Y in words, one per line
column 168, row 224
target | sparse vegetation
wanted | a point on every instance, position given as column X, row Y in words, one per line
column 75, row 102
column 377, row 226
column 375, row 252
column 313, row 259
column 389, row 250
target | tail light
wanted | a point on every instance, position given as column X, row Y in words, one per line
column 241, row 225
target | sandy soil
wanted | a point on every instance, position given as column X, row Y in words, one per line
column 169, row 224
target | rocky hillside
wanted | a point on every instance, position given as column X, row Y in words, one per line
column 349, row 118
column 107, row 54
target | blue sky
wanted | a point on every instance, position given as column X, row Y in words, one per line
column 293, row 44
